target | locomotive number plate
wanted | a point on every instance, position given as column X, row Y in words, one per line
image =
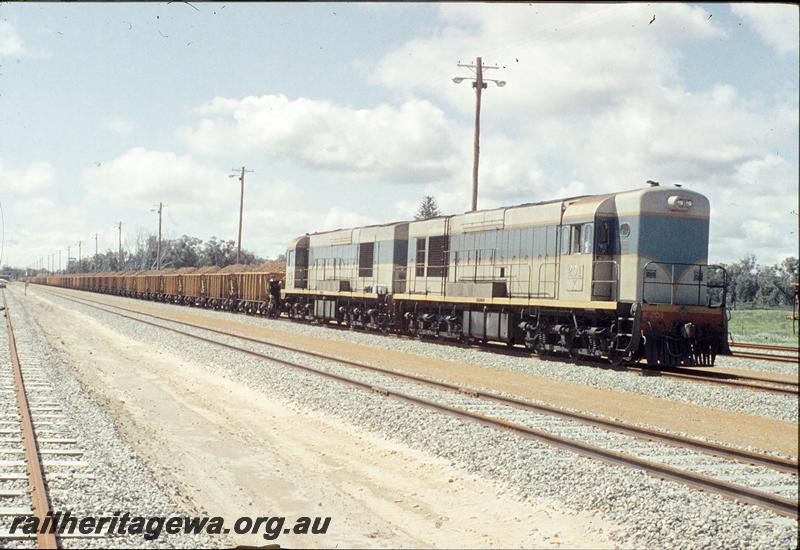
column 575, row 277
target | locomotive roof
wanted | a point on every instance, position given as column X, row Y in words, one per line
column 536, row 203
column 359, row 227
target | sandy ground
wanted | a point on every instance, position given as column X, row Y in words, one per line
column 231, row 451
column 736, row 428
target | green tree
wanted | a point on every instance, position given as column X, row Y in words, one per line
column 427, row 209
column 182, row 252
column 761, row 285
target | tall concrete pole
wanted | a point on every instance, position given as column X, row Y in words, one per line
column 479, row 85
column 120, row 268
column 158, row 247
column 242, row 171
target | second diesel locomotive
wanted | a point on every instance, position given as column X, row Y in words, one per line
column 622, row 276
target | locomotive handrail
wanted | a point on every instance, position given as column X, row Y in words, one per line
column 554, row 281
column 700, row 282
column 614, row 281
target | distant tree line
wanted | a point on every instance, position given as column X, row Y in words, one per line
column 184, row 251
column 753, row 284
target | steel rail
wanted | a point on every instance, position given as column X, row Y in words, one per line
column 770, row 347
column 745, row 494
column 36, row 480
column 725, row 379
column 765, row 357
column 708, row 376
column 711, row 377
column 760, row 459
column 731, row 376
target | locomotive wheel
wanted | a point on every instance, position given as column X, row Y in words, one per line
column 616, row 359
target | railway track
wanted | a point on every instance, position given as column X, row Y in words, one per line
column 719, row 469
column 788, row 388
column 766, row 357
column 762, row 352
column 767, row 347
column 37, row 451
column 20, row 424
column 758, row 383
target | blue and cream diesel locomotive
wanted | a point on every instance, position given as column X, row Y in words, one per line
column 622, row 276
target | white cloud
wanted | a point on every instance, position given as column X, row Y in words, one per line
column 35, row 178
column 142, row 177
column 557, row 58
column 752, row 211
column 678, row 135
column 340, row 218
column 203, row 201
column 117, row 125
column 408, row 144
column 604, row 110
column 10, row 42
column 776, row 24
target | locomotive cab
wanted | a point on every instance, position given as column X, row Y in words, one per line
column 679, row 299
column 297, row 264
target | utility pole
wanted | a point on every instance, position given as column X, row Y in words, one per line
column 241, row 207
column 95, row 251
column 79, row 256
column 59, row 261
column 68, row 255
column 480, row 84
column 120, row 247
column 158, row 247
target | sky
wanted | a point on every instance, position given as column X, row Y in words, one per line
column 348, row 115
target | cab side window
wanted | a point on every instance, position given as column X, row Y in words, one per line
column 419, row 270
column 565, row 240
column 575, row 247
column 587, row 238
column 577, row 239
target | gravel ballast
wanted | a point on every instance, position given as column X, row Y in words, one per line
column 656, row 513
column 696, row 393
column 113, row 478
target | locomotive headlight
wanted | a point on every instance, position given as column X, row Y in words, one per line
column 676, row 202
